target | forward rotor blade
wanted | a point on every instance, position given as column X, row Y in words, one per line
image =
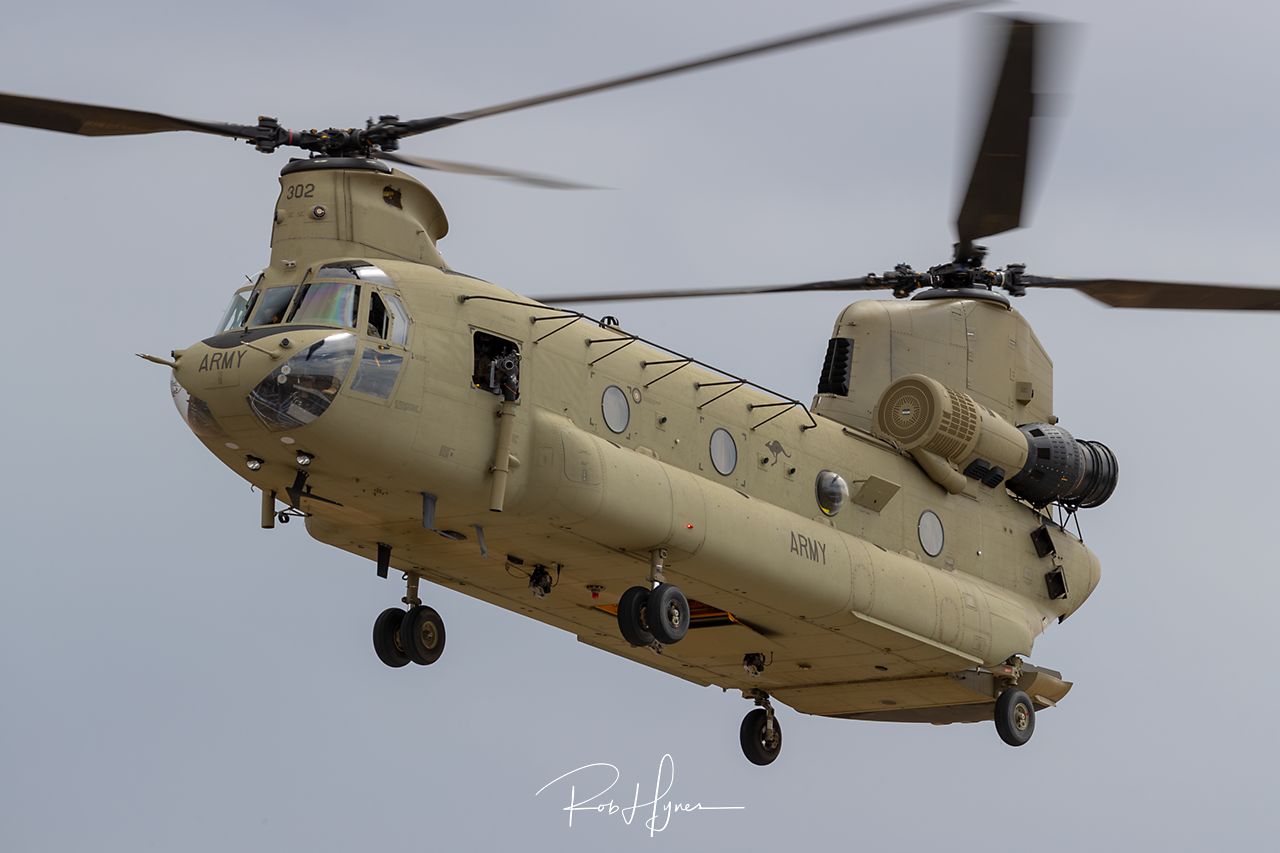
column 1135, row 293
column 869, row 282
column 529, row 178
column 93, row 120
column 842, row 29
column 993, row 201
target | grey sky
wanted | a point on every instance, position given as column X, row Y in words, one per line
column 174, row 678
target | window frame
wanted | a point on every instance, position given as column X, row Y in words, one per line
column 392, row 301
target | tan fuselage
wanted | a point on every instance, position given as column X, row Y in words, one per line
column 852, row 614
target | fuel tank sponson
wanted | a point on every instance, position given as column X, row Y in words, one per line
column 630, row 501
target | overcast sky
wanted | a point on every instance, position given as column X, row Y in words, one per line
column 174, row 678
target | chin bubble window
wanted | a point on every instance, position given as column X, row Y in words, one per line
column 300, row 390
column 616, row 409
column 724, row 451
column 195, row 412
column 832, row 492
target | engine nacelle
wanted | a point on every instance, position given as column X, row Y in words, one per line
column 1061, row 468
column 1040, row 463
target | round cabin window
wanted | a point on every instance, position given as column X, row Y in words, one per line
column 831, row 491
column 724, row 452
column 615, row 408
column 931, row 535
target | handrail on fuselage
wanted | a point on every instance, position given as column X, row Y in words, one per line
column 626, row 339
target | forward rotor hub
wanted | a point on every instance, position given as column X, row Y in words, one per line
column 382, row 135
column 963, row 273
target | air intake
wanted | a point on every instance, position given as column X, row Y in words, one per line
column 837, row 367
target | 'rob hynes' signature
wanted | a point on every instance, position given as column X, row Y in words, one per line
column 660, row 809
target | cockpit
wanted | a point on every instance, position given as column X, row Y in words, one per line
column 332, row 297
column 370, row 326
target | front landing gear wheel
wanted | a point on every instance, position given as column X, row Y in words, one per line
column 759, row 744
column 386, row 637
column 668, row 614
column 633, row 616
column 422, row 635
column 1015, row 717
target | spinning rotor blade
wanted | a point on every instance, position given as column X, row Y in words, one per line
column 380, row 139
column 1136, row 293
column 887, row 19
column 868, row 282
column 1116, row 292
column 529, row 178
column 993, row 202
column 92, row 120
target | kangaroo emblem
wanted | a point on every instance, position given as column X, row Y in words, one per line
column 775, row 447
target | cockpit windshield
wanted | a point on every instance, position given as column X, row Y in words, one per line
column 329, row 303
column 238, row 311
column 272, row 305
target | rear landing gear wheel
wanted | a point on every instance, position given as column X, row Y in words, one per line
column 761, row 742
column 1015, row 717
column 422, row 635
column 386, row 637
column 633, row 616
column 668, row 614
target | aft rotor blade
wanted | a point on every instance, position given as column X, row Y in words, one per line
column 1135, row 293
column 795, row 40
column 529, row 178
column 870, row 282
column 93, row 120
column 993, row 201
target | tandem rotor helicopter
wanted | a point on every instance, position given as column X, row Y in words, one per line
column 888, row 552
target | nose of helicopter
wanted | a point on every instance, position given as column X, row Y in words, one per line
column 239, row 386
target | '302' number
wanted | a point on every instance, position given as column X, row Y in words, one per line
column 300, row 191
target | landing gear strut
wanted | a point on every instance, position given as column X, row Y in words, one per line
column 415, row 636
column 1015, row 713
column 760, row 733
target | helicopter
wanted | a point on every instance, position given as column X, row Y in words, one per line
column 566, row 446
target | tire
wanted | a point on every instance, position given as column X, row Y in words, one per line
column 386, row 637
column 668, row 614
column 755, row 747
column 422, row 635
column 1015, row 717
column 633, row 616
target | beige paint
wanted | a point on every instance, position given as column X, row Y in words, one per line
column 853, row 616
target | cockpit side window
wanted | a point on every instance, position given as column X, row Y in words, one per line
column 328, row 303
column 399, row 334
column 272, row 305
column 238, row 311
column 379, row 320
